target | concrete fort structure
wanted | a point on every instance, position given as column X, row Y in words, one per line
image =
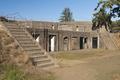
column 64, row 36
column 38, row 38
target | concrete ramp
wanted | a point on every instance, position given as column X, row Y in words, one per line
column 108, row 41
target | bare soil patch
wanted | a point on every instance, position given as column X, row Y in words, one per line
column 102, row 65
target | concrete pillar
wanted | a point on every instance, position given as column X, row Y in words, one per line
column 56, row 43
column 60, row 42
column 91, row 43
column 78, row 41
column 69, row 42
column 98, row 41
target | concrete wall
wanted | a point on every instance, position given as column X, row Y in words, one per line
column 68, row 35
column 64, row 40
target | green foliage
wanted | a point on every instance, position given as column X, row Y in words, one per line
column 66, row 16
column 101, row 19
column 105, row 11
column 77, row 55
column 11, row 72
column 2, row 18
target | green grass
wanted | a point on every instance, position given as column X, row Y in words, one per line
column 116, row 28
column 76, row 55
column 12, row 72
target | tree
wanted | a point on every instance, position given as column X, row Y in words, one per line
column 2, row 18
column 105, row 11
column 66, row 16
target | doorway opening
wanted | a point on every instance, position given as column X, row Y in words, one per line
column 94, row 42
column 86, row 42
column 37, row 39
column 52, row 42
column 81, row 42
column 66, row 44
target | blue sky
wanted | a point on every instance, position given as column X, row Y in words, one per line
column 48, row 10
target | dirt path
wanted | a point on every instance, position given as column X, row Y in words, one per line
column 104, row 68
column 75, row 73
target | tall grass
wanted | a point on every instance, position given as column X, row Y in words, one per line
column 11, row 72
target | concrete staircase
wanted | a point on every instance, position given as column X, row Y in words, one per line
column 30, row 46
column 108, row 41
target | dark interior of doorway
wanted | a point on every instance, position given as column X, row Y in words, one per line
column 81, row 43
column 94, row 42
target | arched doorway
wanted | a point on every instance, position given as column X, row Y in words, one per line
column 65, row 44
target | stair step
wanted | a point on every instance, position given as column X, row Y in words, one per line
column 29, row 45
column 22, row 38
column 41, row 61
column 19, row 33
column 35, row 52
column 13, row 26
column 45, row 64
column 39, row 57
column 27, row 41
column 10, row 25
column 31, row 48
column 16, row 29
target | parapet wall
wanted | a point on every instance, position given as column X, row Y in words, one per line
column 67, row 26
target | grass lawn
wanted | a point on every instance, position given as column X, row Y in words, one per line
column 79, row 54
